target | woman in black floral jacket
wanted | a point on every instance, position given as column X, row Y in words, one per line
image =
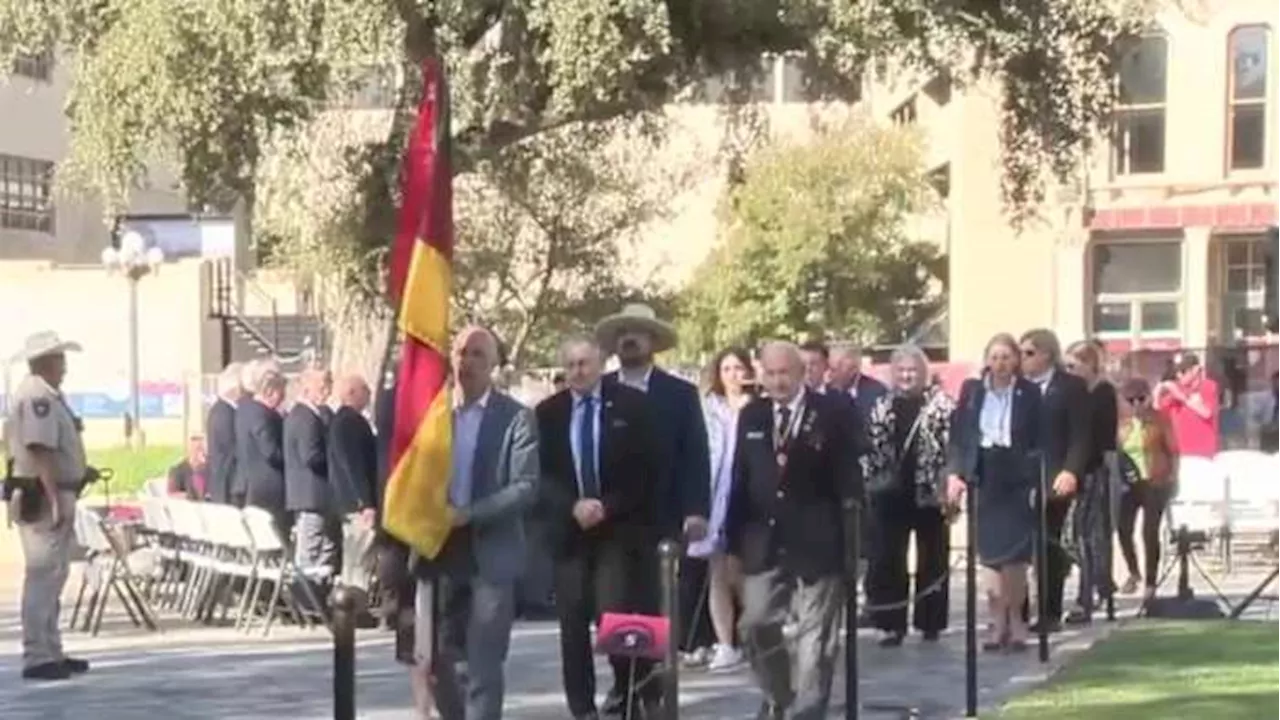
column 909, row 429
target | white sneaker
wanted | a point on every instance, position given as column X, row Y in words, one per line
column 725, row 657
column 697, row 658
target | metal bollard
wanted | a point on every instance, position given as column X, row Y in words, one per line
column 347, row 605
column 853, row 562
column 1042, row 562
column 1108, row 526
column 669, row 559
column 971, row 604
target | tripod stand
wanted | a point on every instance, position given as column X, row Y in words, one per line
column 1185, row 605
column 1239, row 610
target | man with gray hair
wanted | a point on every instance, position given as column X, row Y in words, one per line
column 785, row 524
column 309, row 496
column 260, row 451
column 220, row 434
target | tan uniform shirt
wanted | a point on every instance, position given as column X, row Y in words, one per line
column 39, row 416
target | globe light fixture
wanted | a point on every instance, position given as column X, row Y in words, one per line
column 133, row 260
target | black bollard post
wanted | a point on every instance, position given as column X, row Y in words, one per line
column 1184, row 563
column 971, row 604
column 853, row 563
column 347, row 603
column 1042, row 563
column 669, row 557
column 1109, row 524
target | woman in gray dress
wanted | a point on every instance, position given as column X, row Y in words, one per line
column 993, row 438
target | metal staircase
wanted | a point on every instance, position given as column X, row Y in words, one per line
column 288, row 338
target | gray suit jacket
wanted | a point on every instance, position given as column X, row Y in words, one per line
column 504, row 487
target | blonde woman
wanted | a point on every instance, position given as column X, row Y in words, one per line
column 995, row 431
column 909, row 430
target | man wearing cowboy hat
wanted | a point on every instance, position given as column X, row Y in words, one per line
column 635, row 335
column 47, row 471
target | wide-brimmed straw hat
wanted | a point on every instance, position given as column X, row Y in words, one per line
column 635, row 317
column 44, row 343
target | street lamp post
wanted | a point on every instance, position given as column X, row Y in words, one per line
column 134, row 261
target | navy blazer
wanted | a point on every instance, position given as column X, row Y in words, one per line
column 353, row 460
column 306, row 461
column 966, row 433
column 260, row 455
column 868, row 391
column 680, row 432
column 220, row 432
column 792, row 517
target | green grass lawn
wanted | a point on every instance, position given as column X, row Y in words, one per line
column 1216, row 670
column 133, row 467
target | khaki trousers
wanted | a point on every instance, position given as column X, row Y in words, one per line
column 47, row 553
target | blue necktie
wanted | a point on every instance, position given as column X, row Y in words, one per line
column 587, row 450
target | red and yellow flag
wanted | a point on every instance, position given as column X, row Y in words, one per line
column 416, row 509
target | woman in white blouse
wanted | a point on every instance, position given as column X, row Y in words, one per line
column 731, row 388
column 994, row 436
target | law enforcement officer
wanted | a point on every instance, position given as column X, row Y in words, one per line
column 47, row 472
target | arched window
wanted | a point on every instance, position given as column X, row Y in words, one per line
column 1248, row 48
column 1139, row 144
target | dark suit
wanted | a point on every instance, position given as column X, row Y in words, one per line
column 681, row 435
column 785, row 523
column 220, row 441
column 1005, row 478
column 865, row 393
column 308, row 494
column 260, row 460
column 353, row 461
column 611, row 567
column 245, row 412
column 1066, row 439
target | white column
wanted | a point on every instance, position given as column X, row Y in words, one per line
column 1195, row 286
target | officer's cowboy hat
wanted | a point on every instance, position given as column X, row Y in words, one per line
column 635, row 317
column 44, row 343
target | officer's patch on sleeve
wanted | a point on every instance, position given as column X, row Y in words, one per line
column 40, row 406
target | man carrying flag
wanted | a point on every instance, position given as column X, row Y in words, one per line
column 415, row 502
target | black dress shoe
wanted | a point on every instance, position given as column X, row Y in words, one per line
column 892, row 640
column 1078, row 617
column 931, row 636
column 75, row 666
column 46, row 671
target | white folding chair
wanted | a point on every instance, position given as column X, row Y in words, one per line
column 107, row 570
column 273, row 563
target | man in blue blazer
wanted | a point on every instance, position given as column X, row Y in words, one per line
column 635, row 335
column 847, row 378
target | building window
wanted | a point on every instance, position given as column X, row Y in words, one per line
column 1137, row 289
column 1244, row 286
column 37, row 66
column 1140, row 109
column 1247, row 111
column 26, row 194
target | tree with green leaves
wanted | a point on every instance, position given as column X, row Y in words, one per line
column 543, row 226
column 211, row 85
column 816, row 238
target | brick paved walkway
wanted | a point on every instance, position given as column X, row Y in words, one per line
column 215, row 673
